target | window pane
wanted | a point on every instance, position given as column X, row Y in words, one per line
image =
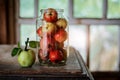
column 87, row 8
column 27, row 31
column 104, row 48
column 113, row 9
column 77, row 38
column 26, row 8
column 61, row 4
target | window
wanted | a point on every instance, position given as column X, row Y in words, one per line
column 87, row 8
column 94, row 25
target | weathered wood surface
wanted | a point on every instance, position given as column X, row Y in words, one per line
column 9, row 65
column 73, row 70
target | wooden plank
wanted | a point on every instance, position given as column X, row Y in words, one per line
column 3, row 27
column 10, row 66
column 11, row 21
column 10, row 69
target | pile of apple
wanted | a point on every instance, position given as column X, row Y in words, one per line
column 52, row 35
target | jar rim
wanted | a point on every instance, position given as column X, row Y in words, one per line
column 58, row 10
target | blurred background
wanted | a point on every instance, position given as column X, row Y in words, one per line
column 94, row 29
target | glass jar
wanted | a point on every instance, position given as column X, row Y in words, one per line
column 52, row 34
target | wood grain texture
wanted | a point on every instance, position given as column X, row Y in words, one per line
column 11, row 21
column 3, row 30
column 10, row 67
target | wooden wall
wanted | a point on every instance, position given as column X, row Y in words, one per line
column 3, row 27
column 7, row 22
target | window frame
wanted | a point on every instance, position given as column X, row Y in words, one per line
column 94, row 21
column 72, row 21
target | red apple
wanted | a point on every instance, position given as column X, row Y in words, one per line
column 49, row 28
column 55, row 56
column 61, row 23
column 50, row 15
column 39, row 31
column 42, row 55
column 60, row 35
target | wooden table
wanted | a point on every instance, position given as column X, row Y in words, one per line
column 75, row 69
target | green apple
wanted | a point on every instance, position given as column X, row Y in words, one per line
column 26, row 58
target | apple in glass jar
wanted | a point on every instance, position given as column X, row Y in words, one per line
column 50, row 15
column 55, row 56
column 60, row 35
column 49, row 28
column 59, row 45
column 61, row 23
column 39, row 31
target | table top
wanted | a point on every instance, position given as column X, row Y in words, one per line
column 9, row 65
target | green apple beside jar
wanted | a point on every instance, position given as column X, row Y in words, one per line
column 26, row 57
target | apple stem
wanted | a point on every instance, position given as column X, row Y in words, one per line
column 26, row 44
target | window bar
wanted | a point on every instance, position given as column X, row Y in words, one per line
column 18, row 8
column 36, row 2
column 17, row 18
column 105, row 4
column 70, row 9
column 119, row 50
column 88, row 46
